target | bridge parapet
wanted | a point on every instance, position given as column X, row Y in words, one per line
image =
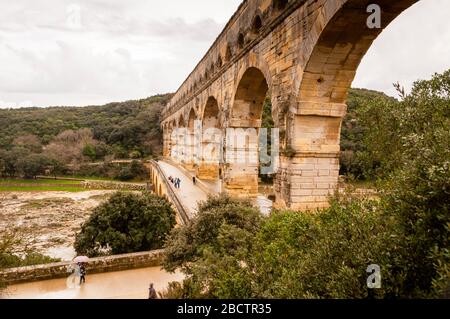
column 162, row 187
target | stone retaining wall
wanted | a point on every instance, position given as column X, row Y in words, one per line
column 113, row 185
column 95, row 265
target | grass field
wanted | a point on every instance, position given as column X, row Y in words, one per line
column 37, row 181
column 39, row 185
column 6, row 188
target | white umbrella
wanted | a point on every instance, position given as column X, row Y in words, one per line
column 80, row 259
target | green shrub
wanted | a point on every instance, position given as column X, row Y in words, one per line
column 126, row 223
column 218, row 236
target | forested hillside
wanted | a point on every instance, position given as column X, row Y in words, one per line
column 119, row 129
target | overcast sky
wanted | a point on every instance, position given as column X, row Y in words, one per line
column 85, row 52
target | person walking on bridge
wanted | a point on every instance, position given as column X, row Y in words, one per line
column 194, row 180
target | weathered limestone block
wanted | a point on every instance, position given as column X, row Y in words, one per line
column 208, row 171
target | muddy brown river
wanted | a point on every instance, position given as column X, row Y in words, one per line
column 128, row 284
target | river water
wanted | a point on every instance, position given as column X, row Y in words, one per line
column 128, row 284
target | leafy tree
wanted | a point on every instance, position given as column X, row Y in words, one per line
column 11, row 160
column 418, row 192
column 56, row 167
column 126, row 223
column 89, row 151
column 138, row 169
column 368, row 140
column 30, row 142
column 213, row 245
column 125, row 174
column 15, row 251
column 2, row 166
column 32, row 165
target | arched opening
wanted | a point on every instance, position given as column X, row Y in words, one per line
column 166, row 139
column 228, row 53
column 340, row 43
column 279, row 5
column 190, row 158
column 241, row 41
column 249, row 99
column 243, row 148
column 219, row 62
column 211, row 142
column 178, row 139
column 257, row 25
column 172, row 142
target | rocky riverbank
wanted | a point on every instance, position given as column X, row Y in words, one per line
column 51, row 219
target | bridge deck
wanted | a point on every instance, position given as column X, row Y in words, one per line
column 189, row 194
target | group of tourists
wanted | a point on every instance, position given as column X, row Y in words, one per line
column 175, row 181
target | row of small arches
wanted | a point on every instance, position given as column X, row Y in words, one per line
column 255, row 29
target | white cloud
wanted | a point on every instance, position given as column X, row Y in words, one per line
column 80, row 52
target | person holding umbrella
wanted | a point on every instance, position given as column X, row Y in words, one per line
column 82, row 273
column 80, row 260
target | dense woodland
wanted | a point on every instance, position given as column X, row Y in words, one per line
column 123, row 127
column 64, row 139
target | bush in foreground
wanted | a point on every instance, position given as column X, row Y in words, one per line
column 126, row 223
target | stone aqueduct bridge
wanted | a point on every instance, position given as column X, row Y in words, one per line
column 304, row 54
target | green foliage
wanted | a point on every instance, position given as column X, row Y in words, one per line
column 368, row 137
column 15, row 251
column 126, row 223
column 210, row 248
column 418, row 192
column 89, row 151
column 135, row 171
column 32, row 165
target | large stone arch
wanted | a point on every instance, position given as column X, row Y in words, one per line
column 242, row 140
column 338, row 46
column 211, row 138
column 181, row 122
column 190, row 159
column 249, row 96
